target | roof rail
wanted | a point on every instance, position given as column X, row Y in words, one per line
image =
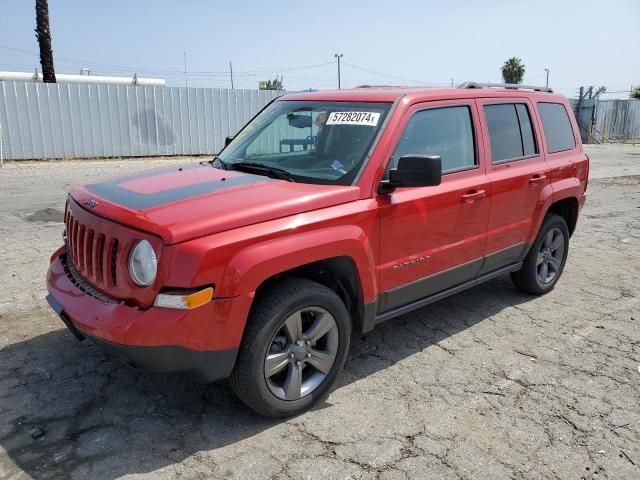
column 514, row 86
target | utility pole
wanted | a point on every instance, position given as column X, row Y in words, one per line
column 231, row 74
column 43, row 34
column 186, row 82
column 547, row 82
column 338, row 56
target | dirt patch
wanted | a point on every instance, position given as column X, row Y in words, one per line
column 46, row 215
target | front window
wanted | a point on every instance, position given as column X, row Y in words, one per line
column 312, row 142
column 443, row 131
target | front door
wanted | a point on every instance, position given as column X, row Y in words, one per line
column 433, row 238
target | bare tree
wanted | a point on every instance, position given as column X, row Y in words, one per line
column 43, row 34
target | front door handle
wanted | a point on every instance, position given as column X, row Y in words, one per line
column 536, row 179
column 473, row 196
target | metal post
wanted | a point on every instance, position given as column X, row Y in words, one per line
column 338, row 56
column 231, row 74
column 578, row 111
column 186, row 82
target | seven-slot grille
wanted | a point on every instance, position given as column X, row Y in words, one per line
column 94, row 255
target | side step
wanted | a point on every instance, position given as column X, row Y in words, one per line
column 423, row 302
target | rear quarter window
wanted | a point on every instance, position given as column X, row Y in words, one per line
column 557, row 127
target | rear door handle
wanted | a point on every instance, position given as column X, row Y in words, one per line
column 536, row 179
column 473, row 196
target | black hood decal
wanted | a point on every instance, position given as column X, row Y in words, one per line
column 113, row 190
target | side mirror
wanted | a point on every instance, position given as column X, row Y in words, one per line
column 228, row 140
column 414, row 171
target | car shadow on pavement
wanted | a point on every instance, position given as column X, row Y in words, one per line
column 68, row 409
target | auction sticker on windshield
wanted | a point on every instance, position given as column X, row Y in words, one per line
column 354, row 118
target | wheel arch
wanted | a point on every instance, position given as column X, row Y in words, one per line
column 568, row 209
column 336, row 273
column 339, row 257
column 563, row 203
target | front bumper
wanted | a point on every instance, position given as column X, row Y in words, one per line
column 202, row 342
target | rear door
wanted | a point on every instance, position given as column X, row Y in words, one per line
column 432, row 238
column 518, row 174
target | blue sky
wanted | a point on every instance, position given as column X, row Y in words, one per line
column 383, row 42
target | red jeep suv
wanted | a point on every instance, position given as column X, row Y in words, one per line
column 328, row 213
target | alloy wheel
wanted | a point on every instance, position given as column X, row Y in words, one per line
column 301, row 353
column 550, row 255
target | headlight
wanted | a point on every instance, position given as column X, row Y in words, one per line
column 143, row 264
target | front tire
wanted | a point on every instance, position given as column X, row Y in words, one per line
column 545, row 261
column 295, row 345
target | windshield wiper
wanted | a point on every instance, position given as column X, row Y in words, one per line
column 275, row 172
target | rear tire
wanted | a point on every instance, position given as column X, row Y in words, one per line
column 543, row 265
column 295, row 345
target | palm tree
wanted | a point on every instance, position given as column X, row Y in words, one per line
column 512, row 70
column 43, row 34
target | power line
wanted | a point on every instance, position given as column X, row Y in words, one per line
column 287, row 69
column 97, row 64
column 184, row 73
column 382, row 74
column 161, row 71
column 247, row 74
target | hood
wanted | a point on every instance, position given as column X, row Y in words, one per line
column 181, row 203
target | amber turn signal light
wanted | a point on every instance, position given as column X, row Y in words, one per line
column 184, row 300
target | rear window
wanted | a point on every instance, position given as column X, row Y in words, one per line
column 557, row 127
column 510, row 131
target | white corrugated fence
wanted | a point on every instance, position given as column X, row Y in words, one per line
column 42, row 121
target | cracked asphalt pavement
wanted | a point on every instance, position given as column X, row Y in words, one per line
column 490, row 383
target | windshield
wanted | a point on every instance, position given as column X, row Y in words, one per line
column 313, row 142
